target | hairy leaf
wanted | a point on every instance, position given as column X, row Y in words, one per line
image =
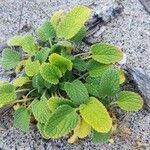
column 61, row 122
column 43, row 54
column 40, row 110
column 7, row 93
column 83, row 129
column 21, row 81
column 79, row 64
column 96, row 69
column 15, row 41
column 98, row 137
column 61, row 62
column 40, row 127
column 22, row 119
column 55, row 101
column 10, row 58
column 77, row 92
column 129, row 101
column 109, row 84
column 50, row 73
column 80, row 35
column 55, row 19
column 96, row 115
column 46, row 31
column 28, row 44
column 122, row 77
column 106, row 53
column 32, row 67
column 71, row 24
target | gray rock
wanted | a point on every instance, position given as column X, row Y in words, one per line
column 146, row 4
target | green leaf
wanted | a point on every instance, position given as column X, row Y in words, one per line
column 22, row 119
column 43, row 54
column 40, row 110
column 55, row 19
column 38, row 82
column 50, row 73
column 62, row 45
column 71, row 24
column 10, row 58
column 21, row 81
column 129, row 101
column 46, row 31
column 96, row 69
column 106, row 53
column 61, row 122
column 80, row 35
column 28, row 44
column 61, row 62
column 109, row 84
column 122, row 77
column 40, row 127
column 7, row 93
column 32, row 67
column 92, row 89
column 79, row 64
column 77, row 92
column 96, row 115
column 98, row 137
column 15, row 41
column 55, row 101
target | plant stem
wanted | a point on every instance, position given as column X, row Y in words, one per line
column 50, row 42
column 83, row 76
column 30, row 92
column 23, row 100
column 22, row 90
column 80, row 54
column 87, row 57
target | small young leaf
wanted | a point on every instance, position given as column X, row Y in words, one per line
column 32, row 67
column 40, row 110
column 28, row 44
column 15, row 41
column 96, row 69
column 122, row 77
column 98, row 137
column 77, row 92
column 55, row 102
column 80, row 35
column 10, row 58
column 46, row 31
column 96, row 115
column 106, row 53
column 43, row 54
column 50, row 73
column 7, row 93
column 79, row 64
column 109, row 84
column 21, row 81
column 22, row 119
column 61, row 122
column 129, row 101
column 71, row 24
column 83, row 129
column 55, row 19
column 61, row 62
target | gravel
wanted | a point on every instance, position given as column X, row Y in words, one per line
column 130, row 31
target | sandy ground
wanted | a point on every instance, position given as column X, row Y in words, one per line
column 130, row 31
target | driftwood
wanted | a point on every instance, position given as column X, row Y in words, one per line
column 141, row 80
